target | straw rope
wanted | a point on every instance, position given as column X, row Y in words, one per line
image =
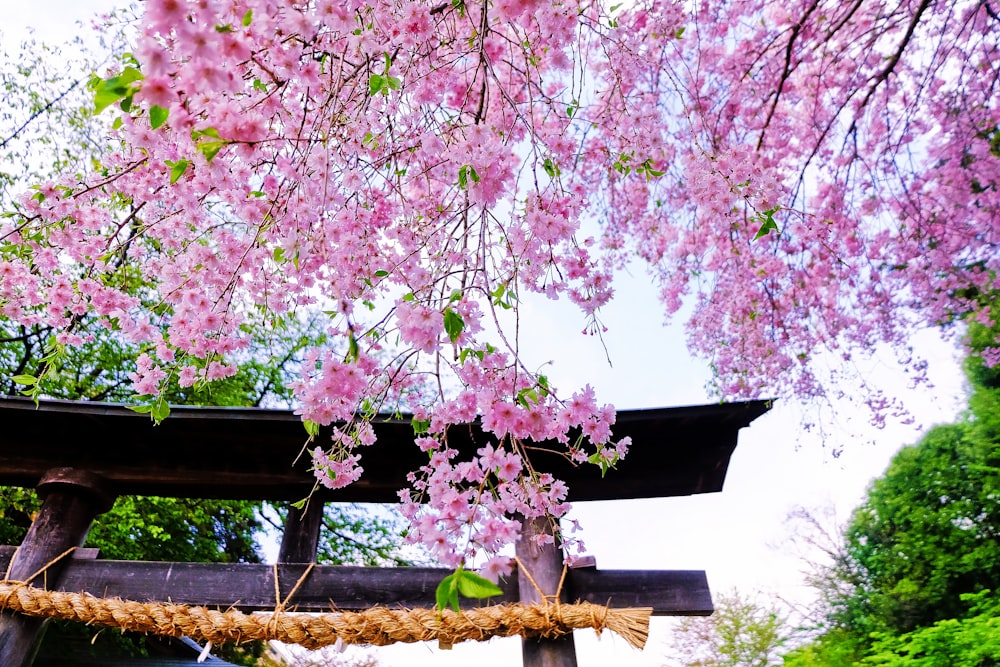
column 378, row 625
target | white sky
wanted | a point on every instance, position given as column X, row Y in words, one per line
column 776, row 466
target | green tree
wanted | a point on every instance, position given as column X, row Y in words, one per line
column 928, row 533
column 742, row 632
column 970, row 641
column 911, row 583
column 833, row 648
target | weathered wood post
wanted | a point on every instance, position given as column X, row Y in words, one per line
column 71, row 500
column 300, row 538
column 545, row 564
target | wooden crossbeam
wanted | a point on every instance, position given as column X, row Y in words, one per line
column 259, row 455
column 250, row 586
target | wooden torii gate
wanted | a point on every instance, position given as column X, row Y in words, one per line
column 81, row 456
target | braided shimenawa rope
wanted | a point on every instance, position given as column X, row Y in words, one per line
column 377, row 625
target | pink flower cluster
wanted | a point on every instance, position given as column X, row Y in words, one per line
column 408, row 169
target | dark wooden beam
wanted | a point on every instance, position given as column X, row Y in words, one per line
column 71, row 500
column 250, row 586
column 259, row 454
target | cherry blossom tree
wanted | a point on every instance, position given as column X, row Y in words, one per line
column 812, row 177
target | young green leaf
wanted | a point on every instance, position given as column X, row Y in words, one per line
column 157, row 116
column 769, row 225
column 353, row 352
column 447, row 592
column 420, row 426
column 111, row 90
column 25, row 379
column 471, row 585
column 209, row 149
column 453, row 324
column 160, row 410
column 177, row 169
column 206, row 132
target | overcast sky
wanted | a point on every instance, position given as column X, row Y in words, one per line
column 777, row 465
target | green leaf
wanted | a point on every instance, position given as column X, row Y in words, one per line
column 465, row 172
column 207, row 132
column 353, row 351
column 527, row 396
column 456, row 295
column 679, row 33
column 377, row 84
column 312, row 428
column 25, row 379
column 599, row 460
column 177, row 169
column 420, row 426
column 768, row 225
column 121, row 87
column 453, row 324
column 141, row 409
column 161, row 410
column 105, row 97
column 247, row 18
column 381, row 273
column 157, row 116
column 471, row 585
column 551, row 168
column 209, row 149
column 447, row 593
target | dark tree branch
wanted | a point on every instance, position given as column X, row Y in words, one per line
column 39, row 113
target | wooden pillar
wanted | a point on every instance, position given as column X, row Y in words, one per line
column 300, row 539
column 545, row 564
column 71, row 500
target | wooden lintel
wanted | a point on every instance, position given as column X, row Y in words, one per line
column 250, row 586
column 259, row 454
